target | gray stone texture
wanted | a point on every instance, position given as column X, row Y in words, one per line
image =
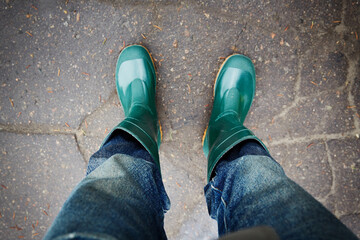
column 58, row 99
column 306, row 163
column 345, row 158
column 38, row 172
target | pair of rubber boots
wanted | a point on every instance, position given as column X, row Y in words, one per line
column 233, row 94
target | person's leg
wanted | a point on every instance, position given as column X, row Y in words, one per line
column 249, row 189
column 122, row 196
column 246, row 186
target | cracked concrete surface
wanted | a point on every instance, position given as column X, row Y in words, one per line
column 58, row 98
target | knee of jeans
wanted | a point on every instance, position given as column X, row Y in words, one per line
column 94, row 162
column 261, row 165
column 247, row 168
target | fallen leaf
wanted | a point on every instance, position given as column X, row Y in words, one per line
column 273, row 35
column 11, row 102
column 234, row 48
column 16, row 227
column 310, row 145
column 160, row 61
column 175, row 43
column 157, row 27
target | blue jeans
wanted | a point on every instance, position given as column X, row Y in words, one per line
column 123, row 197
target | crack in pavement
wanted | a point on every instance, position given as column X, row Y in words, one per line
column 35, row 128
column 290, row 140
column 297, row 98
column 333, row 177
column 352, row 71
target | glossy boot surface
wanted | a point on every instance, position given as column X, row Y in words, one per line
column 135, row 83
column 233, row 95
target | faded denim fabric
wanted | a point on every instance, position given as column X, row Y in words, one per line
column 122, row 196
column 251, row 189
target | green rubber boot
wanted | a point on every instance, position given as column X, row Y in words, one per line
column 233, row 94
column 135, row 84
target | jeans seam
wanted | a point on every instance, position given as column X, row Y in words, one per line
column 214, row 188
column 224, row 203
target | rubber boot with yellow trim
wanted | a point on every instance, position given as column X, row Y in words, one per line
column 233, row 94
column 135, row 83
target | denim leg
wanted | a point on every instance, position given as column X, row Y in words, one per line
column 249, row 188
column 120, row 142
column 121, row 197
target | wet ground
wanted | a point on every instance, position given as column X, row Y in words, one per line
column 58, row 97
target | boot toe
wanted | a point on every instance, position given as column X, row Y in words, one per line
column 240, row 62
column 134, row 52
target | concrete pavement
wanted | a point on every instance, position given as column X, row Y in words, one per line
column 58, row 97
